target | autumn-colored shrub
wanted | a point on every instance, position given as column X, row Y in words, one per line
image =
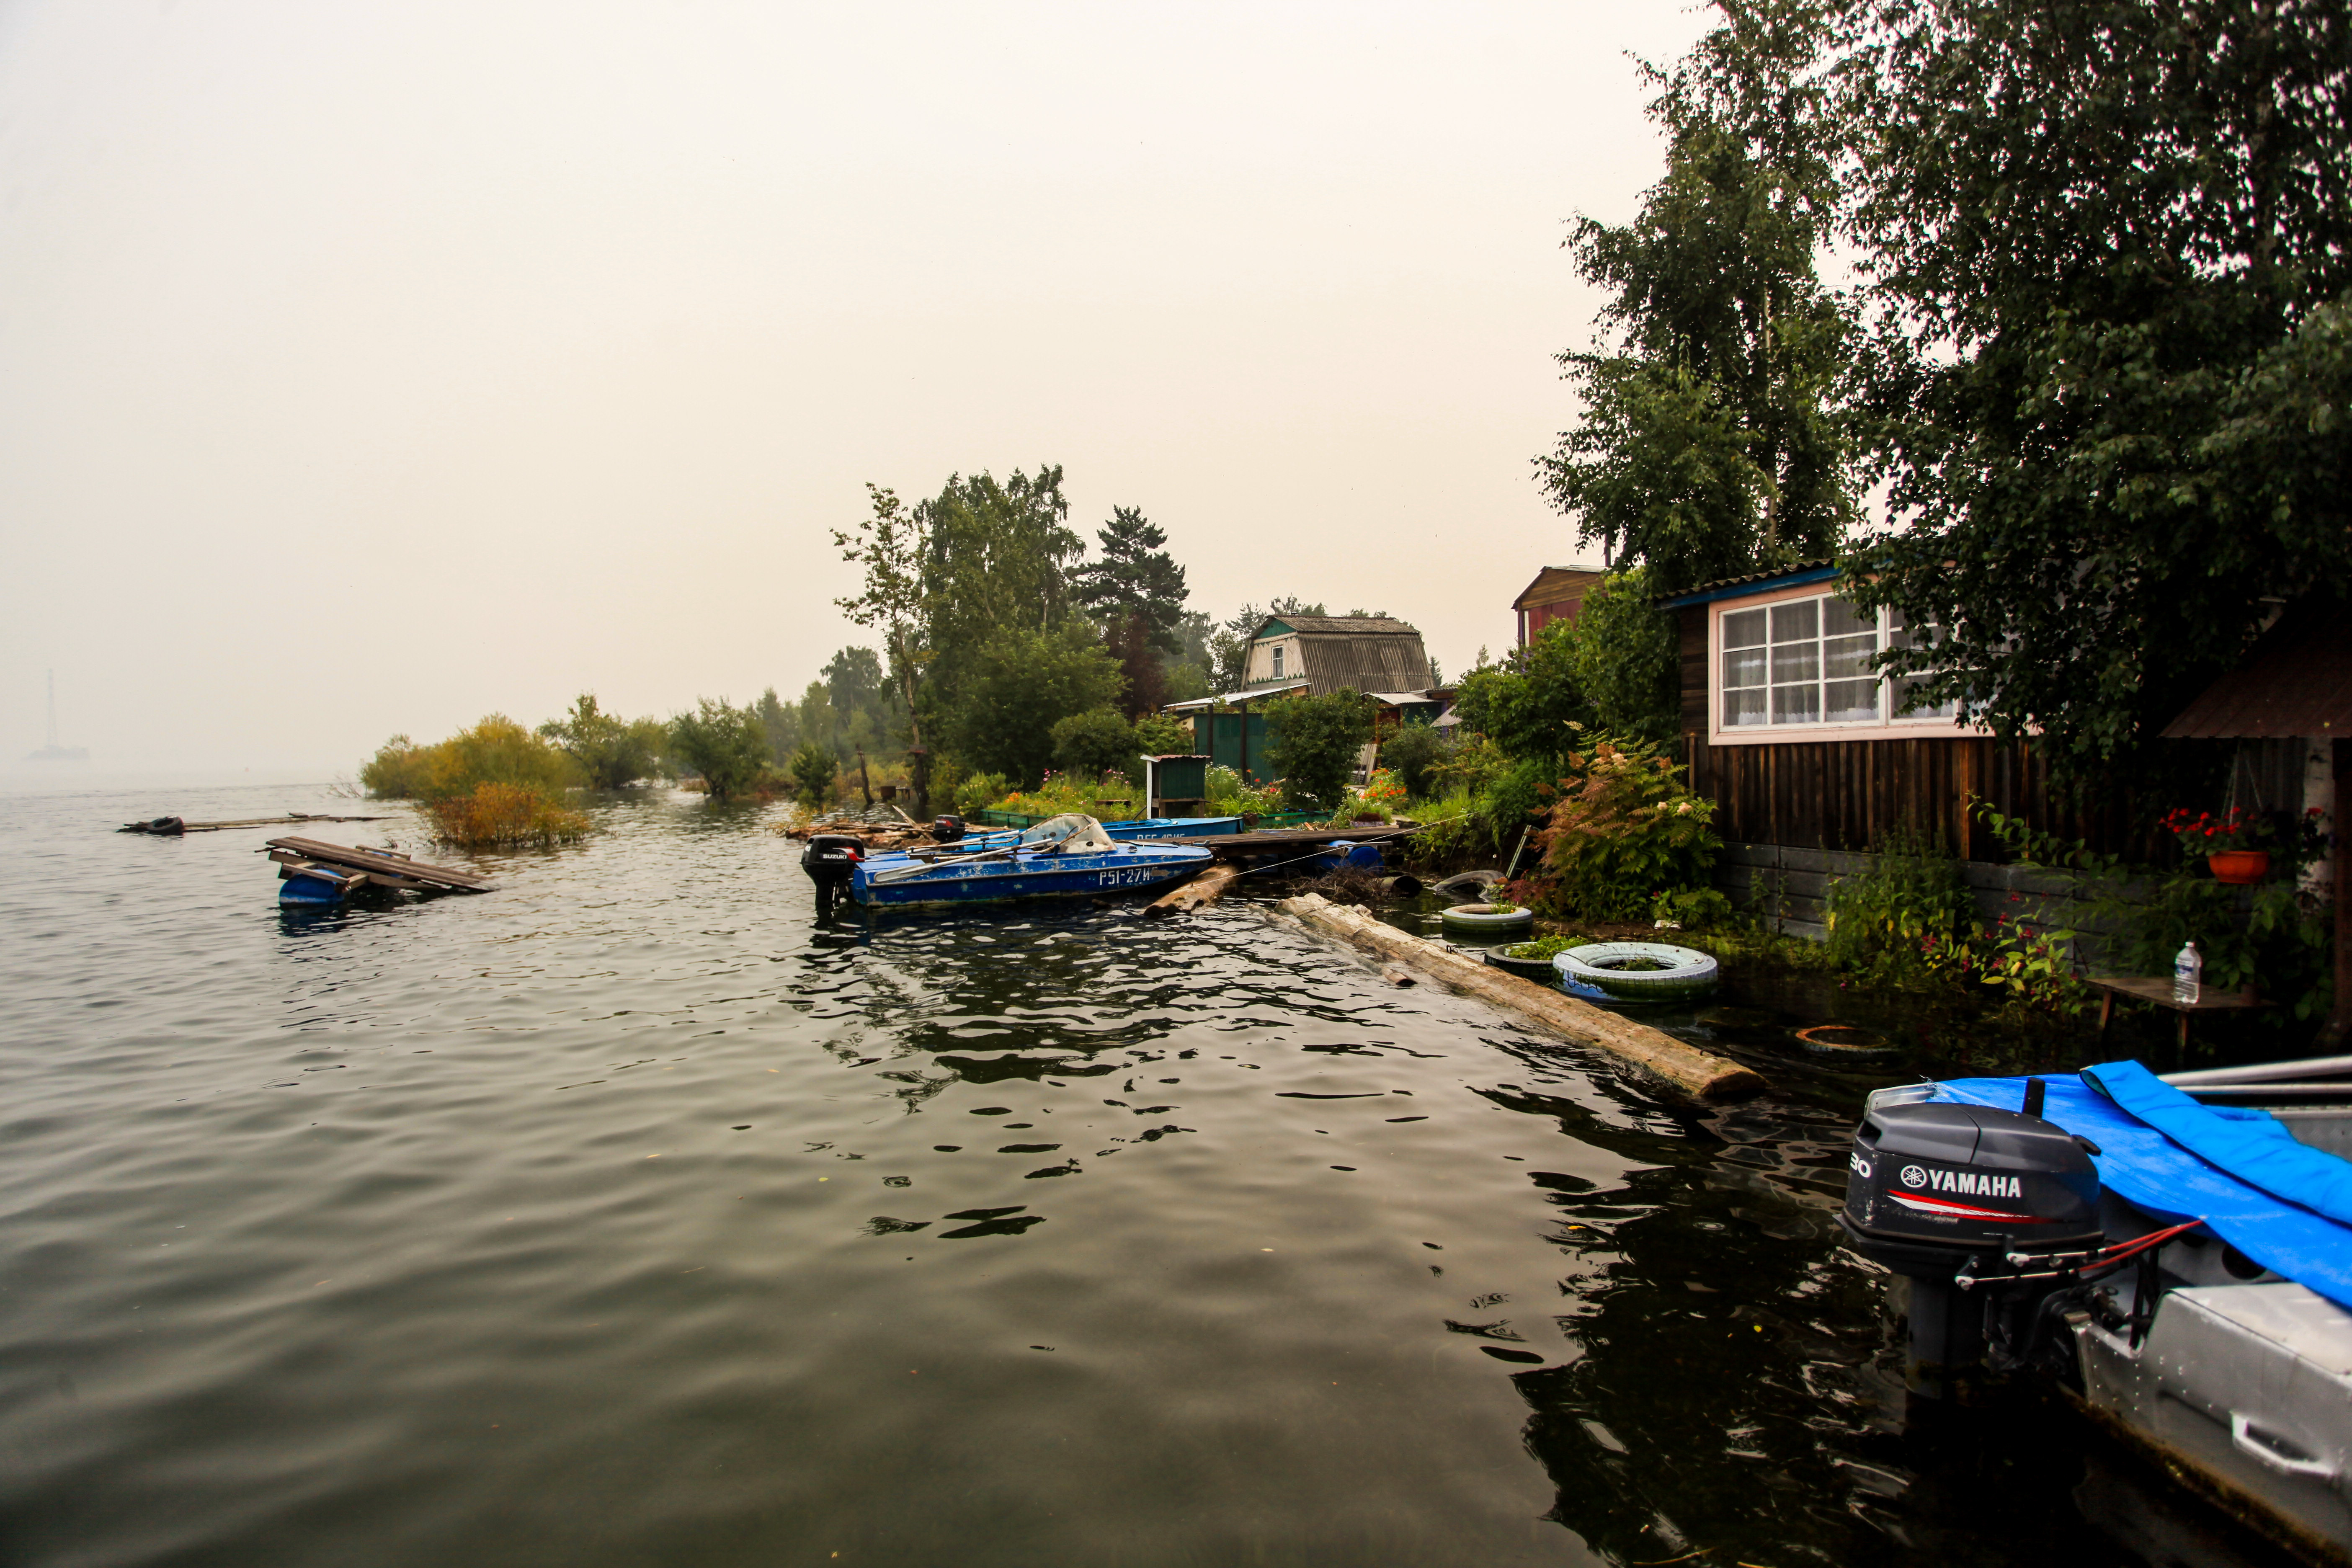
column 504, row 816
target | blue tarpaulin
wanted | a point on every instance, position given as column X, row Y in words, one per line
column 2168, row 1178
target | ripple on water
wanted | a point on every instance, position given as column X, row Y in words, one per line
column 624, row 1215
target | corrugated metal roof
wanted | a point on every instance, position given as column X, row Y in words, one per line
column 2295, row 681
column 1359, row 624
column 1723, row 587
column 1374, row 662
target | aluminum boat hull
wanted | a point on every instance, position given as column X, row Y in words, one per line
column 884, row 880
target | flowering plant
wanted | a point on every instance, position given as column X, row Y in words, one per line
column 2206, row 834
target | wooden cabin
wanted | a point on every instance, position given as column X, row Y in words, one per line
column 1557, row 594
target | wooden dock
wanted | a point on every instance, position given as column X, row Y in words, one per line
column 377, row 868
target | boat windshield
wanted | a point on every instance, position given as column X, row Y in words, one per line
column 1071, row 831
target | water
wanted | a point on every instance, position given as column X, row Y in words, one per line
column 624, row 1216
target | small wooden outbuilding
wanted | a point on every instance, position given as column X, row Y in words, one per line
column 2295, row 683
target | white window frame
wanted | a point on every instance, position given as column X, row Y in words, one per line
column 1909, row 726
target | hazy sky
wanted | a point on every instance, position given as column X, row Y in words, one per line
column 369, row 368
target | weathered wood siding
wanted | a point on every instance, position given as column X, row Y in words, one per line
column 1844, row 794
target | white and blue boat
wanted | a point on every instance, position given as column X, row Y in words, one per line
column 1064, row 857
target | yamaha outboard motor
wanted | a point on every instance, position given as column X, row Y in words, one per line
column 829, row 859
column 1989, row 1213
column 947, row 829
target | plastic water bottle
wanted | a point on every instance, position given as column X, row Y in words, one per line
column 2187, row 972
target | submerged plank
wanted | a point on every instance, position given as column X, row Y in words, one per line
column 1677, row 1063
column 383, row 863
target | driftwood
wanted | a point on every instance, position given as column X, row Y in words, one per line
column 1204, row 889
column 172, row 826
column 1676, row 1063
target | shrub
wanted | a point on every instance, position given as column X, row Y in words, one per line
column 495, row 750
column 1158, row 735
column 398, row 770
column 1090, row 744
column 722, row 742
column 980, row 791
column 1228, row 796
column 505, row 816
column 1904, row 915
column 812, row 773
column 1410, row 753
column 1314, row 741
column 1622, row 830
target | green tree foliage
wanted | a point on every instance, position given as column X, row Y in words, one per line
column 894, row 547
column 1709, row 443
column 1527, row 703
column 1135, row 578
column 396, row 772
column 1090, row 745
column 864, row 715
column 1410, row 753
column 1314, row 741
column 609, row 751
column 1190, row 671
column 780, row 722
column 721, row 743
column 2112, row 249
column 997, row 560
column 813, row 770
column 1158, row 735
column 1017, row 686
column 1625, row 658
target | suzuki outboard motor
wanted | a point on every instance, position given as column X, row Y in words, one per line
column 1985, row 1212
column 947, row 829
column 829, row 859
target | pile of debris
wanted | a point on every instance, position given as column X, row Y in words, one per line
column 878, row 828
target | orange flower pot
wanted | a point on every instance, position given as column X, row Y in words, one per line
column 2239, row 867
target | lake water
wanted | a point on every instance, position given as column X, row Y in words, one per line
column 625, row 1216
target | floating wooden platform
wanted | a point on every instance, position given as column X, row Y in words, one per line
column 382, row 868
column 172, row 826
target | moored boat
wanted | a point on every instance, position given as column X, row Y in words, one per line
column 1069, row 855
column 1120, row 832
column 2176, row 1252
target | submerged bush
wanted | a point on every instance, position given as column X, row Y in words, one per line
column 495, row 750
column 722, row 742
column 505, row 816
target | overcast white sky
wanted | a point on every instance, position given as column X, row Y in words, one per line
column 368, row 367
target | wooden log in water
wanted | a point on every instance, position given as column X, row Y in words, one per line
column 1204, row 889
column 1676, row 1063
column 157, row 825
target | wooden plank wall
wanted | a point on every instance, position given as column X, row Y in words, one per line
column 1844, row 794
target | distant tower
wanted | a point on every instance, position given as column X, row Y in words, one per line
column 53, row 753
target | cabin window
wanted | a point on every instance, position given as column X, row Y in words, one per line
column 1277, row 661
column 1809, row 661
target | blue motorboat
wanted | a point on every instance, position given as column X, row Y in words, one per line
column 1069, row 855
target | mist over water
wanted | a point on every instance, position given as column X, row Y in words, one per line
column 624, row 1214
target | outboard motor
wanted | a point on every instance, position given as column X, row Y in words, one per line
column 947, row 829
column 829, row 859
column 1989, row 1213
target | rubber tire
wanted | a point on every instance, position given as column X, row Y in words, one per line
column 1481, row 920
column 1539, row 970
column 1695, row 973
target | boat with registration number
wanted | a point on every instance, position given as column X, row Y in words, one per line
column 1064, row 857
column 1120, row 832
